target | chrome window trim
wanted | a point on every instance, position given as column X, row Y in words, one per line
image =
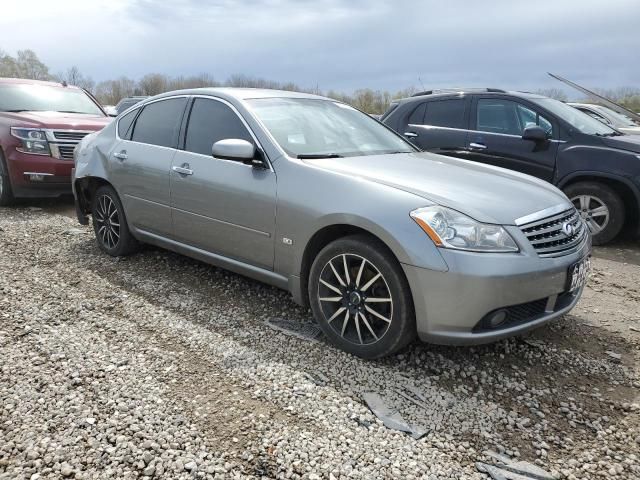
column 430, row 127
column 244, row 122
column 542, row 214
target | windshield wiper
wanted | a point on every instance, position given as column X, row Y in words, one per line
column 311, row 156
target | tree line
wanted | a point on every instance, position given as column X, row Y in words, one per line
column 26, row 64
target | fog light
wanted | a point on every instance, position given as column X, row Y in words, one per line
column 498, row 318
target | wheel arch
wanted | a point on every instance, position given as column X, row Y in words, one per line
column 323, row 237
column 85, row 188
column 627, row 190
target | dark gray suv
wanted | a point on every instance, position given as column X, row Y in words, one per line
column 597, row 166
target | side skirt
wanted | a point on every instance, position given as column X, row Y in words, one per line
column 230, row 264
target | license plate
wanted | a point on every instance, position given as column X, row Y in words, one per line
column 578, row 274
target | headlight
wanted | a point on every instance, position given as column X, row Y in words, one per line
column 450, row 229
column 33, row 140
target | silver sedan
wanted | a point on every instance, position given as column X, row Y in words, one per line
column 313, row 196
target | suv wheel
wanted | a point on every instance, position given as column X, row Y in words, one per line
column 110, row 224
column 361, row 299
column 6, row 194
column 600, row 207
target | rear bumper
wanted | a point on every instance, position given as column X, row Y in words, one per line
column 38, row 175
column 450, row 305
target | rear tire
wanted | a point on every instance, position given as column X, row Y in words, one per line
column 6, row 192
column 601, row 207
column 364, row 307
column 110, row 224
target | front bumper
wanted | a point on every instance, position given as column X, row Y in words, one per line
column 450, row 305
column 38, row 175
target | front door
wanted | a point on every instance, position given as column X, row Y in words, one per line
column 141, row 162
column 223, row 206
column 496, row 138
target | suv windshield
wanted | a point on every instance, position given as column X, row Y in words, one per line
column 577, row 119
column 310, row 128
column 46, row 98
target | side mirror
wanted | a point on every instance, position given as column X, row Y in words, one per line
column 535, row 133
column 235, row 149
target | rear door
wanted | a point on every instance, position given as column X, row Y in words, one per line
column 141, row 163
column 440, row 126
column 497, row 124
column 222, row 206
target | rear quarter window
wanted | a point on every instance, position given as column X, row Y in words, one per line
column 124, row 124
column 446, row 113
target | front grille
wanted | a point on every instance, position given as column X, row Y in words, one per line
column 66, row 151
column 72, row 136
column 548, row 237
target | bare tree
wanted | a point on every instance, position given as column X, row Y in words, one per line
column 111, row 92
column 153, row 84
column 29, row 66
column 556, row 93
column 73, row 76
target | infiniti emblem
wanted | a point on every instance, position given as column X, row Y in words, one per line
column 568, row 229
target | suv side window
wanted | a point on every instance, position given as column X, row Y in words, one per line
column 211, row 121
column 497, row 116
column 529, row 117
column 159, row 123
column 124, row 124
column 446, row 113
column 417, row 116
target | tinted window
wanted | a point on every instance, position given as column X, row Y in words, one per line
column 211, row 121
column 124, row 123
column 529, row 117
column 159, row 123
column 417, row 116
column 497, row 116
column 446, row 113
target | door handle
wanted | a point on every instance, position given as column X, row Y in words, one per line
column 477, row 146
column 183, row 170
column 410, row 134
column 122, row 155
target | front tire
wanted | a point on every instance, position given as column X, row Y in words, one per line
column 600, row 207
column 110, row 224
column 361, row 299
column 6, row 193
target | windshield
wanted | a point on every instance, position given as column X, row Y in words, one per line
column 45, row 98
column 310, row 128
column 577, row 119
column 616, row 118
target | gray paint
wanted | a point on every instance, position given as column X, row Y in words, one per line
column 237, row 216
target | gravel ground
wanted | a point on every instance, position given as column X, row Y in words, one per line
column 157, row 366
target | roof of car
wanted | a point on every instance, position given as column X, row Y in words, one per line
column 448, row 92
column 242, row 93
column 27, row 81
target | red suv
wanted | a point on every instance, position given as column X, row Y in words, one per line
column 40, row 125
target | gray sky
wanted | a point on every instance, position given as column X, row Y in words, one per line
column 337, row 44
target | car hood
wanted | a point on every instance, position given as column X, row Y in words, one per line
column 630, row 130
column 623, row 142
column 73, row 121
column 486, row 193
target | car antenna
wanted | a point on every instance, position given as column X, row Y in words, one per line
column 421, row 84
